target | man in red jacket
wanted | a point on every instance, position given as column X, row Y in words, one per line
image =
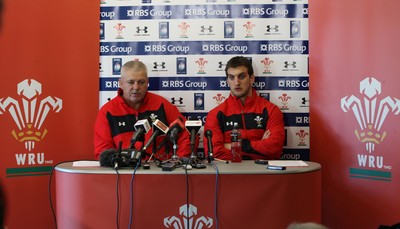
column 116, row 119
column 260, row 122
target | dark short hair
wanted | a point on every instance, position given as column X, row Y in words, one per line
column 238, row 61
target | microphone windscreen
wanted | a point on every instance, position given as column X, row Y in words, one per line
column 160, row 126
column 106, row 157
column 177, row 123
column 175, row 128
column 144, row 124
column 193, row 125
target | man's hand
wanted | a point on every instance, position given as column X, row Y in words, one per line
column 227, row 146
column 266, row 134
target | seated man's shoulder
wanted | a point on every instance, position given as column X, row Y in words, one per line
column 221, row 107
column 110, row 104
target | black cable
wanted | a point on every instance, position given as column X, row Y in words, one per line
column 187, row 196
column 49, row 193
column 117, row 210
column 131, row 197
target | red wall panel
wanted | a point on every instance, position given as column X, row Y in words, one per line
column 56, row 44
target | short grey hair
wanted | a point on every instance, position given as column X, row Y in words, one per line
column 134, row 65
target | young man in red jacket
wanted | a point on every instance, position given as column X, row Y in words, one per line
column 116, row 119
column 260, row 122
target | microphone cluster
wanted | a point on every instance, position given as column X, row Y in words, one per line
column 132, row 157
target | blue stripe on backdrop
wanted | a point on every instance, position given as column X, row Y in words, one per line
column 290, row 119
column 144, row 12
column 204, row 47
column 195, row 83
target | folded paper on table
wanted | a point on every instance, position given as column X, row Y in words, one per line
column 287, row 163
column 85, row 163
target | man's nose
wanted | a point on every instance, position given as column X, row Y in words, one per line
column 236, row 81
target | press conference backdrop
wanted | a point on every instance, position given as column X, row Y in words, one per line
column 186, row 44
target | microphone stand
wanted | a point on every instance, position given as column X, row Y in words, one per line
column 135, row 155
column 210, row 157
column 193, row 160
column 132, row 145
column 146, row 164
column 173, row 162
column 193, row 157
column 175, row 156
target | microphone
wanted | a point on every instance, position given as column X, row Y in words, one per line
column 193, row 127
column 106, row 157
column 113, row 158
column 210, row 157
column 142, row 127
column 160, row 126
column 118, row 160
column 210, row 146
column 175, row 128
column 158, row 129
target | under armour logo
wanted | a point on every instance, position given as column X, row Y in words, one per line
column 287, row 64
column 144, row 29
column 304, row 100
column 157, row 65
column 275, row 28
column 180, row 100
column 209, row 29
column 121, row 123
column 221, row 65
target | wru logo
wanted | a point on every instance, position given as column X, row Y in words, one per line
column 188, row 220
column 370, row 112
column 29, row 113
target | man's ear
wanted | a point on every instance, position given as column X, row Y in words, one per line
column 252, row 78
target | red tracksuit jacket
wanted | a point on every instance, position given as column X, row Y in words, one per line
column 255, row 117
column 115, row 122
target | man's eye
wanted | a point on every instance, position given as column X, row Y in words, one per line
column 242, row 76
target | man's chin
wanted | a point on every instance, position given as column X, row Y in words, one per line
column 135, row 99
column 239, row 95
